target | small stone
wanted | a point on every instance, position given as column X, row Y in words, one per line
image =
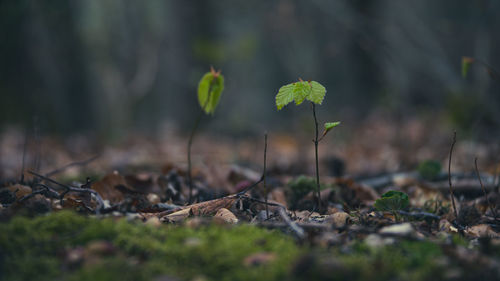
column 376, row 241
column 153, row 221
column 153, row 198
column 401, row 229
column 338, row 219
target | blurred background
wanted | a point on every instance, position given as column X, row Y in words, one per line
column 107, row 67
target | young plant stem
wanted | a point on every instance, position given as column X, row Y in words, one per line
column 264, row 175
column 190, row 142
column 449, row 175
column 484, row 190
column 316, row 141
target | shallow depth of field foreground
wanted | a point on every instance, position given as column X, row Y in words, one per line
column 264, row 140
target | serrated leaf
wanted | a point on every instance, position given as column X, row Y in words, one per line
column 331, row 125
column 466, row 63
column 298, row 92
column 285, row 96
column 317, row 93
column 210, row 89
column 301, row 90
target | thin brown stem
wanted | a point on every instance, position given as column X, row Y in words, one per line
column 264, row 175
column 449, row 175
column 484, row 190
column 191, row 137
column 190, row 143
column 316, row 141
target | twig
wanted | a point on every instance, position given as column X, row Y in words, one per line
column 190, row 142
column 316, row 141
column 484, row 190
column 24, row 156
column 419, row 215
column 299, row 232
column 79, row 163
column 449, row 174
column 262, row 178
column 86, row 188
column 264, row 175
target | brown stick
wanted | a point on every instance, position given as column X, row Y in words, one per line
column 449, row 175
column 484, row 190
column 264, row 175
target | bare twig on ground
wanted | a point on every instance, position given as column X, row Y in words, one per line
column 264, row 175
column 449, row 175
column 299, row 232
column 86, row 188
column 484, row 190
column 419, row 215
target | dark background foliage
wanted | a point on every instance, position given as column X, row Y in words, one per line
column 109, row 66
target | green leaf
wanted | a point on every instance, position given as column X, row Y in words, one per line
column 298, row 92
column 285, row 96
column 331, row 125
column 466, row 63
column 209, row 91
column 317, row 93
column 392, row 201
column 301, row 90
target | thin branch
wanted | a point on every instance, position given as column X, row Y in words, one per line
column 86, row 188
column 191, row 137
column 264, row 175
column 262, row 178
column 484, row 190
column 24, row 156
column 318, row 198
column 449, row 175
column 419, row 215
column 299, row 232
column 79, row 163
column 190, row 142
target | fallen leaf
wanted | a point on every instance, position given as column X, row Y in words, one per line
column 225, row 216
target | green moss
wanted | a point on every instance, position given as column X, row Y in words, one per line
column 35, row 249
column 407, row 260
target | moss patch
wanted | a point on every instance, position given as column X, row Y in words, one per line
column 39, row 249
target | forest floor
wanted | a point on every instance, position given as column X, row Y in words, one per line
column 75, row 210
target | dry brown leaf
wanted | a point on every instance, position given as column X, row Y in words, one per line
column 225, row 216
column 207, row 208
column 177, row 216
column 481, row 230
column 19, row 190
column 106, row 187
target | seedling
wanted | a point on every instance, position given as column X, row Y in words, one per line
column 315, row 93
column 210, row 89
column 392, row 201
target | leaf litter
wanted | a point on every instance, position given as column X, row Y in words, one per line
column 390, row 225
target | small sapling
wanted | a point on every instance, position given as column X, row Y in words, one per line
column 314, row 92
column 210, row 89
